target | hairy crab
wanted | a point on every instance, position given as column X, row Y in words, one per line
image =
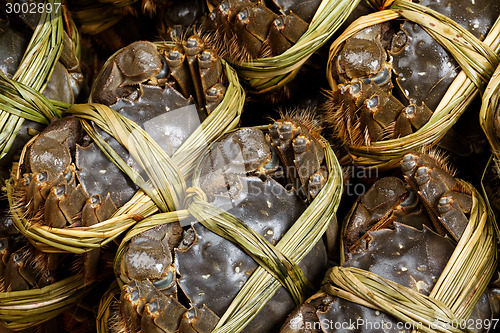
column 388, row 232
column 184, row 279
column 65, row 181
column 246, row 29
column 168, row 89
column 364, row 107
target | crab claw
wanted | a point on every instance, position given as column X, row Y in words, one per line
column 198, row 320
column 162, row 314
column 214, row 95
column 452, row 207
column 133, row 298
column 252, row 24
column 440, row 193
column 316, row 182
column 285, row 31
column 18, row 273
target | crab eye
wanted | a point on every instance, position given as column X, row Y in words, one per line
column 224, row 7
column 372, row 102
column 174, row 55
column 279, row 23
column 243, row 16
column 41, row 177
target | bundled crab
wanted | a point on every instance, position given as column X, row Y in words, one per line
column 247, row 29
column 387, row 79
column 260, row 182
column 405, row 233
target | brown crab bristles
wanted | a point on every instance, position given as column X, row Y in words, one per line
column 265, row 51
column 39, row 260
column 149, row 7
column 306, row 118
column 76, row 266
column 116, row 322
column 388, row 132
column 22, row 205
column 441, row 158
column 3, row 287
column 227, row 46
column 357, row 136
column 367, row 137
column 341, row 121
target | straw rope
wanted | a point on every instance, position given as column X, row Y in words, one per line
column 35, row 69
column 477, row 58
column 455, row 294
column 164, row 190
column 278, row 263
column 267, row 74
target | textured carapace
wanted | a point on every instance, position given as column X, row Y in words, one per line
column 364, row 108
column 187, row 284
column 413, row 258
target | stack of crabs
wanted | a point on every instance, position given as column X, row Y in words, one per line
column 288, row 160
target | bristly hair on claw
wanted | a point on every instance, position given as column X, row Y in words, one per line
column 339, row 119
column 185, row 33
column 307, row 118
column 441, row 158
column 116, row 322
column 227, row 47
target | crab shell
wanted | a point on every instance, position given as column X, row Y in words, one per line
column 208, row 269
column 158, row 89
column 64, row 185
column 363, row 108
column 212, row 269
column 237, row 174
column 66, row 80
column 389, row 200
column 405, row 255
column 424, row 68
column 445, row 199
